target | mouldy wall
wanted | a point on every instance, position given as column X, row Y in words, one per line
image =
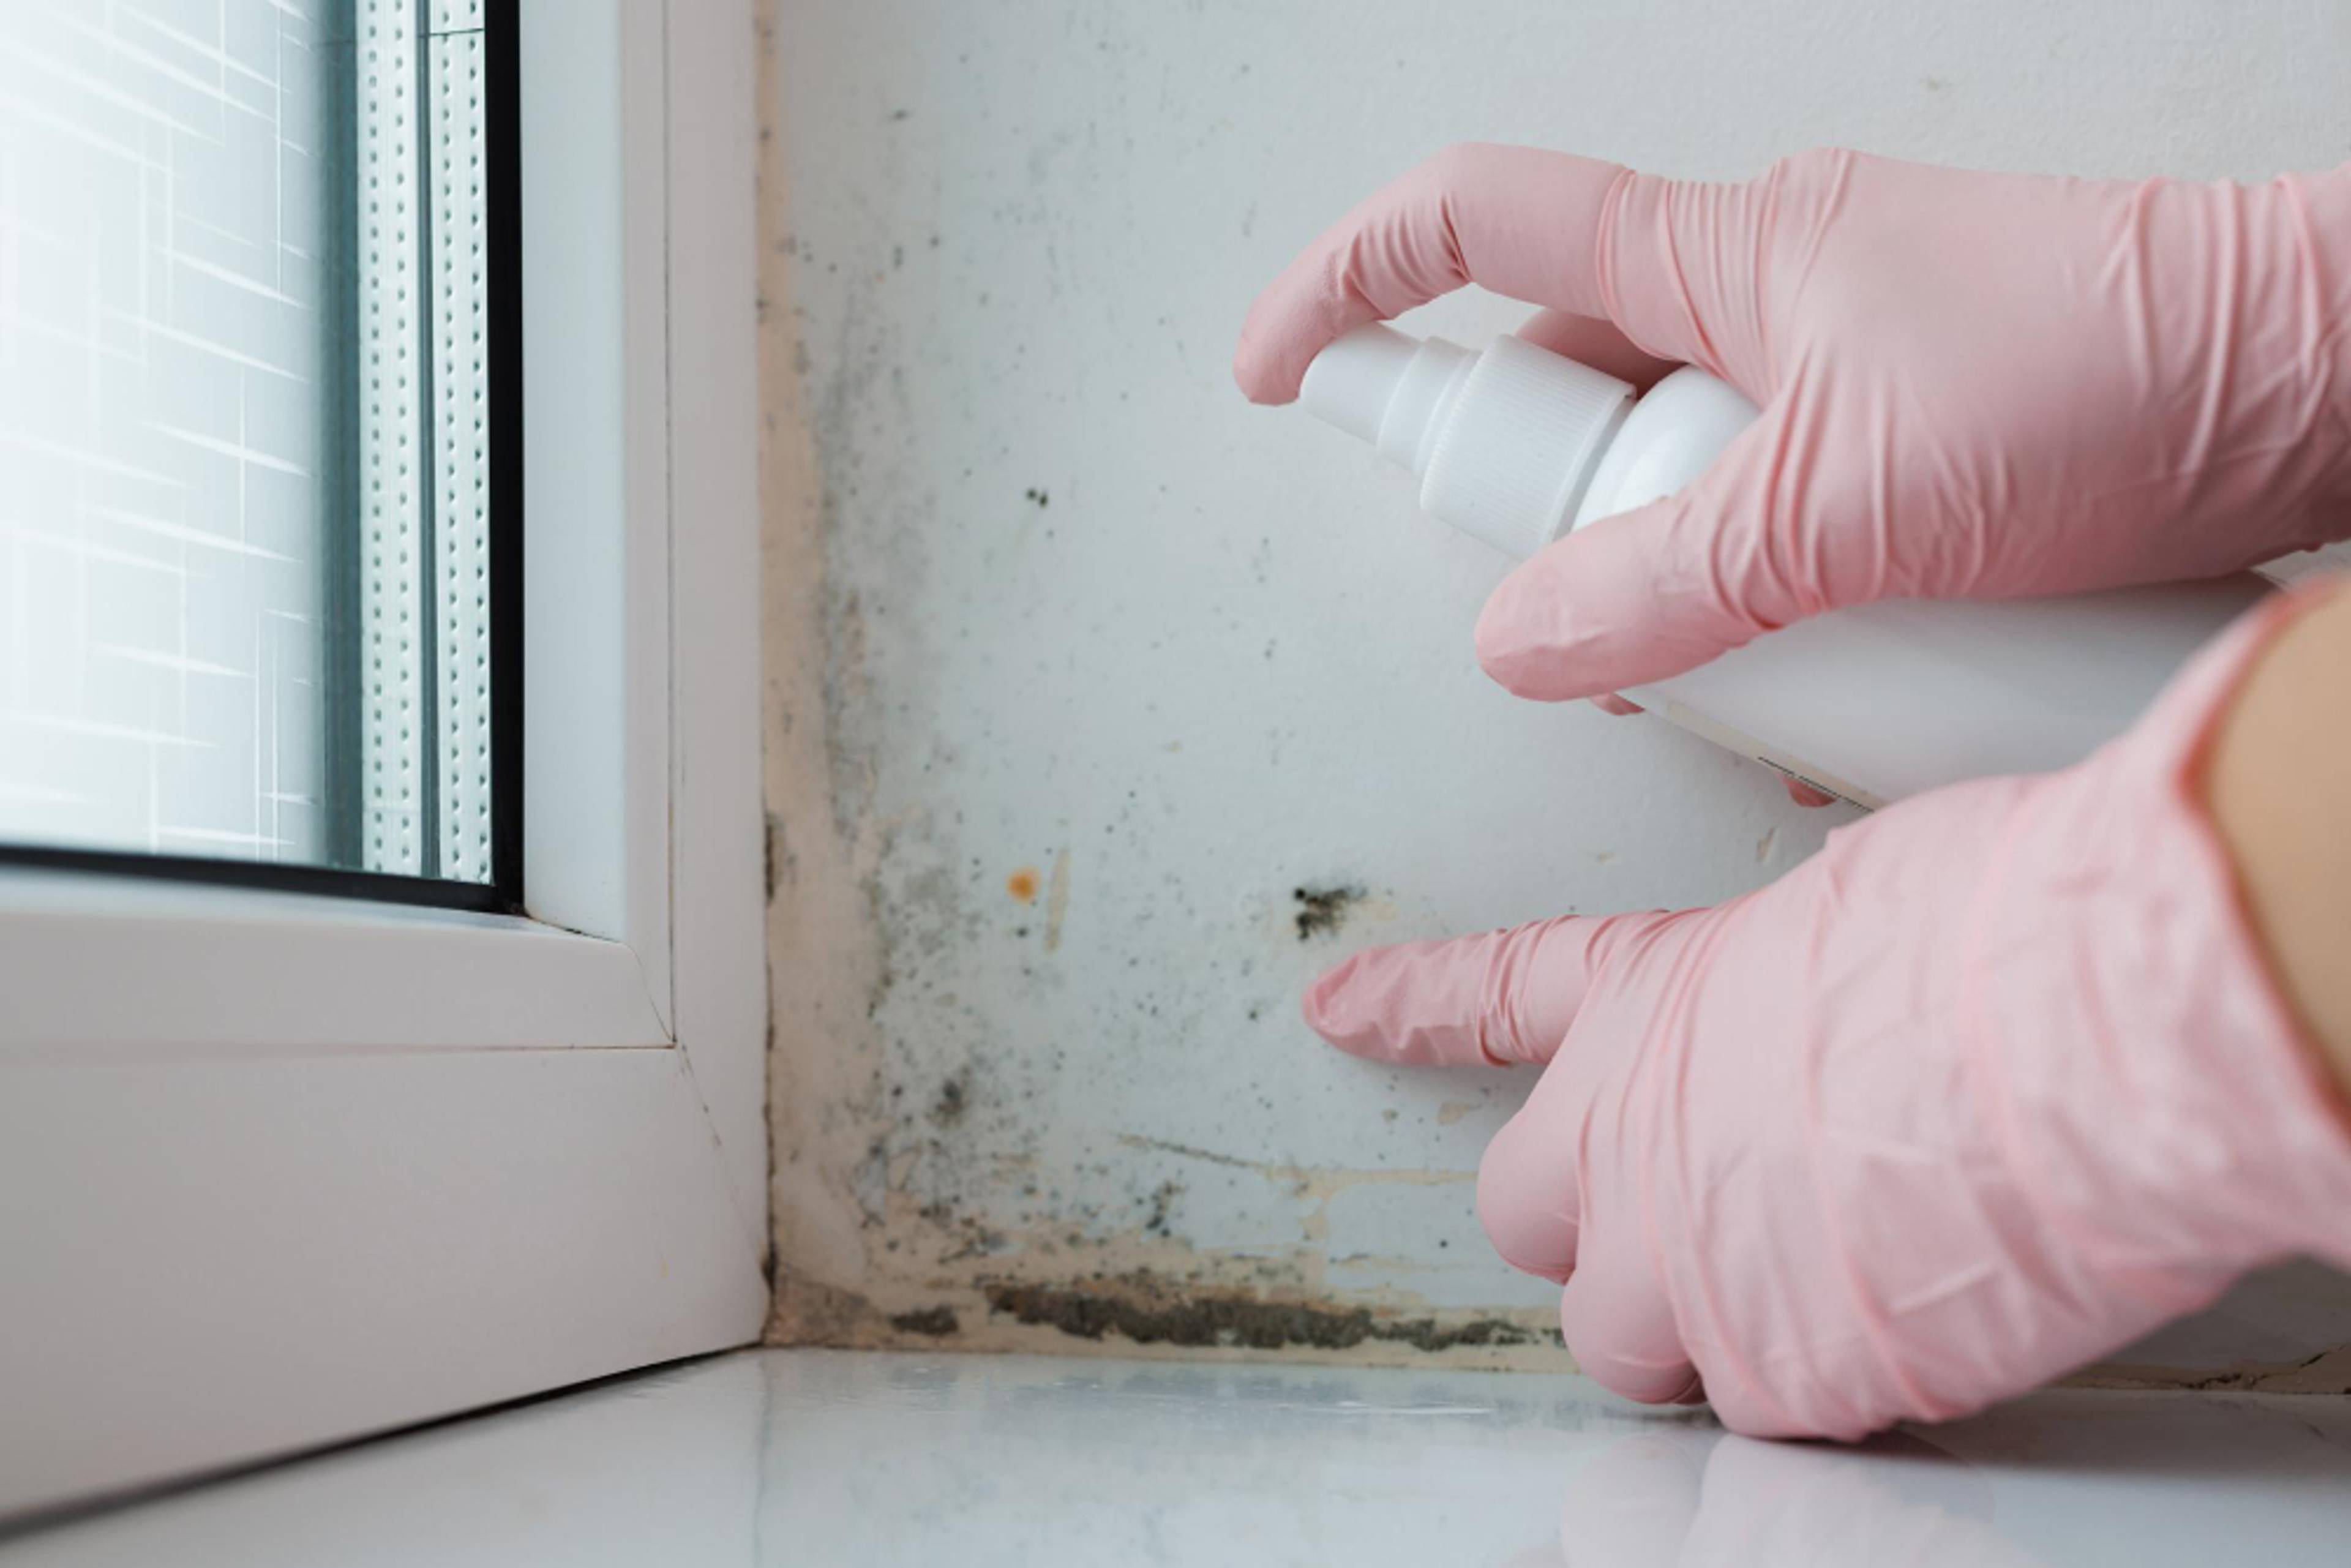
column 1102, row 710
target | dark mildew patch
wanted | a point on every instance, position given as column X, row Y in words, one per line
column 1323, row 911
column 1148, row 1311
column 953, row 1100
column 1162, row 1202
column 936, row 1322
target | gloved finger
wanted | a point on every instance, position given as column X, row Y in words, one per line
column 1618, row 1324
column 1527, row 1186
column 1658, row 589
column 1600, row 344
column 1494, row 998
column 1589, row 341
column 1550, row 228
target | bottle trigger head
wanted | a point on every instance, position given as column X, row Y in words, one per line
column 1388, row 388
column 1352, row 382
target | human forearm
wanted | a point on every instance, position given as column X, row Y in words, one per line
column 2277, row 782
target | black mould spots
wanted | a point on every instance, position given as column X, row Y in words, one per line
column 1323, row 911
column 1162, row 1201
column 953, row 1101
column 938, row 1323
column 898, row 114
column 780, row 862
column 1038, row 496
column 1147, row 1314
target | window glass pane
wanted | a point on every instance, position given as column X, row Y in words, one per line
column 245, row 521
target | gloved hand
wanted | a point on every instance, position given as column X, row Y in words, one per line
column 1992, row 1086
column 1972, row 384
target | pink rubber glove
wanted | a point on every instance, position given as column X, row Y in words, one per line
column 1972, row 384
column 1992, row 1086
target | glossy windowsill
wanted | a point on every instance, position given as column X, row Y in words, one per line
column 776, row 1456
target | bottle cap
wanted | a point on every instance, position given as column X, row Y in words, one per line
column 1504, row 441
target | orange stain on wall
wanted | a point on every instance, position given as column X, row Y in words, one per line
column 1022, row 884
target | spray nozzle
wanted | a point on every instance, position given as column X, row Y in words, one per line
column 1504, row 441
column 1390, row 389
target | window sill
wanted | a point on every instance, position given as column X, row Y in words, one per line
column 113, row 966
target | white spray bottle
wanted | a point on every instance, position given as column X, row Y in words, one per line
column 1516, row 446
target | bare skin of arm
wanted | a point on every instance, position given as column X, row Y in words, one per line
column 2278, row 783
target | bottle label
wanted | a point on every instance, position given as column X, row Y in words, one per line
column 1780, row 762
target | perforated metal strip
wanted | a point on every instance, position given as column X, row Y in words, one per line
column 391, row 393
column 461, row 493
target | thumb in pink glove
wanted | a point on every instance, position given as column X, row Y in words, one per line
column 1993, row 1085
column 1972, row 384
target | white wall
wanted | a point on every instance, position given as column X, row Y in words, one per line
column 1046, row 595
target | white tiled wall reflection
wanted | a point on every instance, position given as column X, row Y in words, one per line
column 169, row 421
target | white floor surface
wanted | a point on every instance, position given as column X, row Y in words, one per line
column 814, row 1458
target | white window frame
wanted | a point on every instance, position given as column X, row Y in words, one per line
column 279, row 1170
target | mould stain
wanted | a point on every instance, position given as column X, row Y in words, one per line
column 896, row 1206
column 1452, row 1111
column 932, row 1322
column 1323, row 911
column 1162, row 1202
column 1148, row 1310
